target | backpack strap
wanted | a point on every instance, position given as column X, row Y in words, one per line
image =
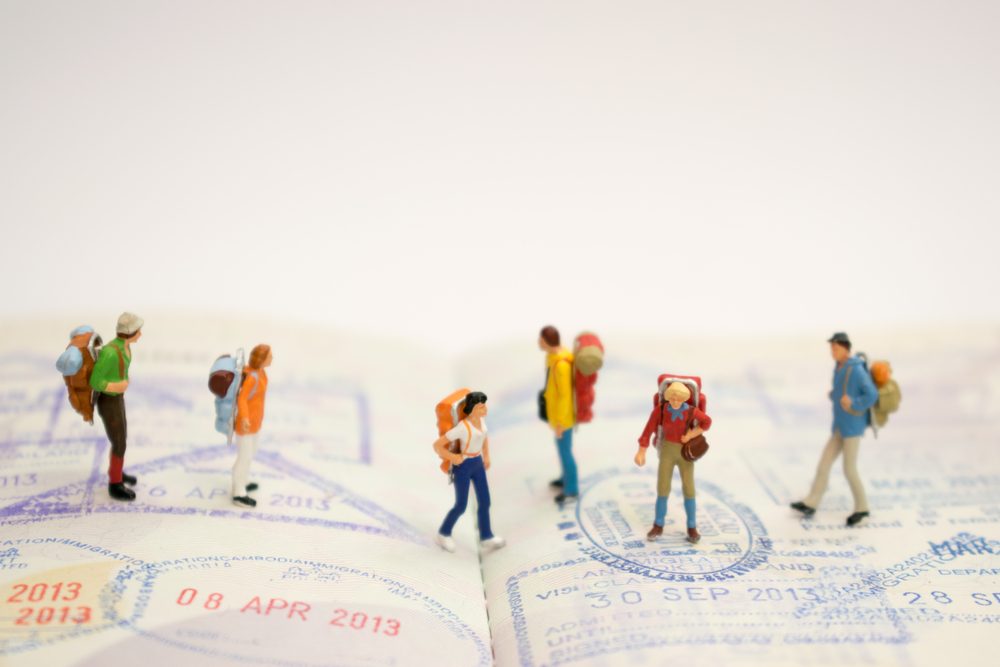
column 468, row 441
column 691, row 419
column 121, row 362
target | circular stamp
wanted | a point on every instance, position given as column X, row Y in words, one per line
column 277, row 610
column 615, row 510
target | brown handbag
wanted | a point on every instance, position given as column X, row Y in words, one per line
column 695, row 448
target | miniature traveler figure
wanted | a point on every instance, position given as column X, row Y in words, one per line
column 555, row 404
column 468, row 464
column 76, row 365
column 853, row 395
column 110, row 380
column 249, row 417
column 677, row 418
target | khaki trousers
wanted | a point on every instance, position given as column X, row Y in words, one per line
column 670, row 456
column 834, row 446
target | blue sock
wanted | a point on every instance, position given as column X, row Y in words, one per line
column 689, row 507
column 661, row 510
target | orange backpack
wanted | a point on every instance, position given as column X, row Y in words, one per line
column 449, row 414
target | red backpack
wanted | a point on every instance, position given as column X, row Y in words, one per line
column 588, row 357
column 692, row 382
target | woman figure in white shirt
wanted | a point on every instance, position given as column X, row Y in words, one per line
column 469, row 464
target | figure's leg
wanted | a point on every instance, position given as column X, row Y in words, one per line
column 568, row 463
column 482, row 500
column 687, row 486
column 664, row 476
column 241, row 468
column 830, row 454
column 851, row 448
column 112, row 412
column 462, row 475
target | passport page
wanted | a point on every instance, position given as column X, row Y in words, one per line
column 917, row 583
column 335, row 565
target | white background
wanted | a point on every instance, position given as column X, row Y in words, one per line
column 467, row 171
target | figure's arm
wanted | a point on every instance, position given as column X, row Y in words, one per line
column 442, row 447
column 243, row 401
column 650, row 428
column 562, row 412
column 704, row 423
column 486, row 453
column 867, row 393
column 647, row 432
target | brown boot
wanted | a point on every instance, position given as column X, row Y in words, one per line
column 693, row 535
column 654, row 532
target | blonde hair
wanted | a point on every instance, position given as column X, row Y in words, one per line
column 678, row 390
column 258, row 355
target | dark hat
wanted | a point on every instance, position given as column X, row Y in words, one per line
column 840, row 338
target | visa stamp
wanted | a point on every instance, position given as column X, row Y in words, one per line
column 616, row 509
column 51, row 590
column 275, row 609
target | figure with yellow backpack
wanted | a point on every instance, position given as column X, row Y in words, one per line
column 568, row 398
column 464, row 449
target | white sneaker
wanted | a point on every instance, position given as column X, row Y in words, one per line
column 492, row 544
column 445, row 542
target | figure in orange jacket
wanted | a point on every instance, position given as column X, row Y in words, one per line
column 249, row 417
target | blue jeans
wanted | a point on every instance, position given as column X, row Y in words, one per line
column 470, row 470
column 571, row 486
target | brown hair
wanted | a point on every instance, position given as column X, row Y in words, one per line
column 550, row 335
column 258, row 355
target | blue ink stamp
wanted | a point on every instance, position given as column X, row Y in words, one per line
column 616, row 509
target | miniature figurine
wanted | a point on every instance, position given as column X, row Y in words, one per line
column 556, row 408
column 249, row 417
column 853, row 394
column 467, row 460
column 110, row 379
column 568, row 398
column 76, row 364
column 678, row 417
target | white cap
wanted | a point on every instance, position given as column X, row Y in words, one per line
column 128, row 324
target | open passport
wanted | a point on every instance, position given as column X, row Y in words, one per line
column 337, row 565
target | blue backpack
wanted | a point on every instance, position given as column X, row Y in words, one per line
column 222, row 383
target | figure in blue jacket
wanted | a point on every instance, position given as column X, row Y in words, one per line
column 852, row 395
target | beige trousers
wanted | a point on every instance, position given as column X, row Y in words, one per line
column 670, row 456
column 246, row 448
column 834, row 446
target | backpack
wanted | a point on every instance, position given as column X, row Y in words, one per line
column 449, row 413
column 588, row 358
column 698, row 398
column 70, row 363
column 222, row 383
column 889, row 394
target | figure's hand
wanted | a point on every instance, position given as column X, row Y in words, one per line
column 456, row 459
column 486, row 464
column 685, row 437
column 640, row 457
column 117, row 387
column 245, row 424
column 559, row 431
column 845, row 402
